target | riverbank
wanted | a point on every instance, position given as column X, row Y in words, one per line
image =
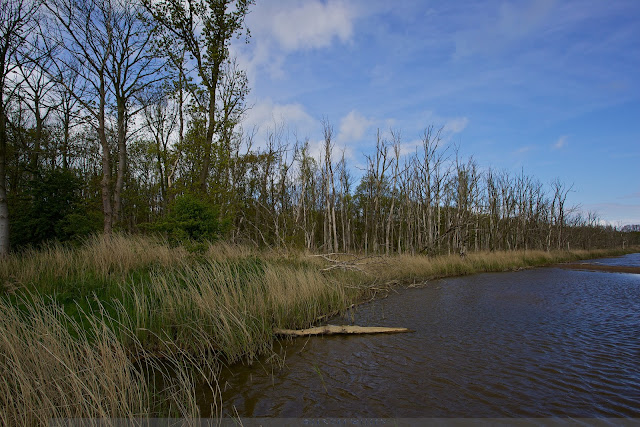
column 600, row 267
column 124, row 326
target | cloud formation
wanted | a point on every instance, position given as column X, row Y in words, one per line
column 266, row 116
column 280, row 28
column 312, row 24
column 560, row 143
column 353, row 127
column 456, row 124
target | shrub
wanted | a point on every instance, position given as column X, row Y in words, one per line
column 52, row 209
column 191, row 220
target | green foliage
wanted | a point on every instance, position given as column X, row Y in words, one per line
column 190, row 220
column 52, row 209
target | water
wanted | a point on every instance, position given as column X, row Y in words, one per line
column 536, row 343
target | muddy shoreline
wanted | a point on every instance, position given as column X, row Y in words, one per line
column 600, row 267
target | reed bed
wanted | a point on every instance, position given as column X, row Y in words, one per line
column 229, row 309
column 52, row 367
column 99, row 258
column 125, row 326
column 411, row 268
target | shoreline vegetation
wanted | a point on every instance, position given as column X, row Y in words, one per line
column 126, row 326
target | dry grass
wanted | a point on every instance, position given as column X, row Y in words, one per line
column 104, row 257
column 150, row 314
column 52, row 367
column 99, row 356
column 410, row 268
column 230, row 309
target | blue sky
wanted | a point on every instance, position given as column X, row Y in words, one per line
column 548, row 87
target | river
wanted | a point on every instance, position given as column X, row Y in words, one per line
column 544, row 342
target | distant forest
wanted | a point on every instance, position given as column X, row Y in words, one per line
column 127, row 116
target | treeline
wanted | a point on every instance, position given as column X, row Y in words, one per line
column 120, row 115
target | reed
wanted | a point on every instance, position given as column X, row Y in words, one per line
column 410, row 268
column 99, row 259
column 48, row 373
column 125, row 326
column 229, row 309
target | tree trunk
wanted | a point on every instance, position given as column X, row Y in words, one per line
column 122, row 159
column 106, row 163
column 211, row 128
column 4, row 206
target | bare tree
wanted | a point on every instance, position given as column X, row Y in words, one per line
column 133, row 67
column 38, row 96
column 161, row 120
column 85, row 40
column 330, row 230
column 395, row 172
column 17, row 23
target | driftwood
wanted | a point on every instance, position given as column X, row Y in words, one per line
column 352, row 264
column 339, row 329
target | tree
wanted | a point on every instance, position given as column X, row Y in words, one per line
column 205, row 29
column 52, row 210
column 161, row 120
column 105, row 46
column 17, row 22
column 85, row 39
column 133, row 67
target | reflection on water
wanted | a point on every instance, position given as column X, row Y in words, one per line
column 536, row 343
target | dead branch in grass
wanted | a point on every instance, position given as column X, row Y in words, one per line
column 355, row 262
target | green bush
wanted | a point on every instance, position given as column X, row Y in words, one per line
column 191, row 220
column 51, row 209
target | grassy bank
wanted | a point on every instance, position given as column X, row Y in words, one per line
column 124, row 326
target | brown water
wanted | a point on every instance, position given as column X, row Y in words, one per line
column 536, row 343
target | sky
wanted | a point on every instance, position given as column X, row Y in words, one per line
column 548, row 88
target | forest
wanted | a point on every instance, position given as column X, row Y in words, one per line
column 128, row 116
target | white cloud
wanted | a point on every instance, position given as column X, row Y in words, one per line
column 312, row 24
column 560, row 143
column 266, row 115
column 617, row 214
column 408, row 148
column 284, row 26
column 524, row 149
column 450, row 125
column 353, row 127
column 456, row 125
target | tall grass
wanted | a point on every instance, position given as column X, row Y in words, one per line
column 123, row 325
column 102, row 258
column 229, row 309
column 407, row 268
column 126, row 313
column 46, row 372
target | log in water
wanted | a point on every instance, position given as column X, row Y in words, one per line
column 339, row 330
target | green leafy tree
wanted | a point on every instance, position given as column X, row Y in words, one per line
column 205, row 29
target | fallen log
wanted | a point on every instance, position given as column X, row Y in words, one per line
column 339, row 329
